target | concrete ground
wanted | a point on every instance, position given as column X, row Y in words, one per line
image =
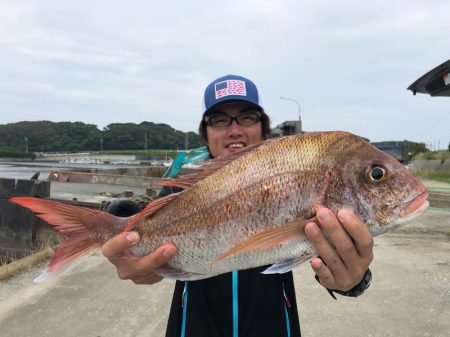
column 409, row 295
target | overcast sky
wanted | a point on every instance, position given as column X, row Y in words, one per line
column 348, row 63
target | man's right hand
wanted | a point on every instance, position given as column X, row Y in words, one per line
column 140, row 270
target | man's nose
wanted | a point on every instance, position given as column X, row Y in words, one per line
column 234, row 128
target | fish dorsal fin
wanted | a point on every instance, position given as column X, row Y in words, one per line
column 151, row 209
column 270, row 238
column 209, row 167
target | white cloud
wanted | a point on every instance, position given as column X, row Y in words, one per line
column 347, row 62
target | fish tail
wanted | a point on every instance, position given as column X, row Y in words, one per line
column 84, row 230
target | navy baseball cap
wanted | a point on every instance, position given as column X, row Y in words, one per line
column 228, row 89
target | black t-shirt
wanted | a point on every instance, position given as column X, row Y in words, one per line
column 266, row 306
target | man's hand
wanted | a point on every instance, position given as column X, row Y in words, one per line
column 346, row 255
column 139, row 270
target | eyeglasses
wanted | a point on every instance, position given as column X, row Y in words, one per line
column 222, row 121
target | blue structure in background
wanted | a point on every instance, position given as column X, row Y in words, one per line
column 187, row 157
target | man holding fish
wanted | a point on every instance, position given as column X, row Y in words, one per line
column 249, row 303
column 231, row 233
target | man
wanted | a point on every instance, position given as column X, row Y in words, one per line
column 248, row 303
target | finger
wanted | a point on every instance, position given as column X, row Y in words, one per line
column 138, row 269
column 358, row 231
column 115, row 247
column 324, row 248
column 325, row 276
column 337, row 233
column 156, row 259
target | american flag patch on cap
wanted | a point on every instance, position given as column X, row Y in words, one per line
column 230, row 87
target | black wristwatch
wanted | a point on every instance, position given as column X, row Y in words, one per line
column 356, row 291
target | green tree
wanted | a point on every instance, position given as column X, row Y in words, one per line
column 46, row 136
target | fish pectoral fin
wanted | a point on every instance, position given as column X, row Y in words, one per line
column 269, row 239
column 285, row 266
column 176, row 274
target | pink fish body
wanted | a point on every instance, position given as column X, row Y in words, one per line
column 249, row 209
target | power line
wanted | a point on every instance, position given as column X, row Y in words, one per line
column 431, row 126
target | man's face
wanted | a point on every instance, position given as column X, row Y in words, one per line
column 228, row 139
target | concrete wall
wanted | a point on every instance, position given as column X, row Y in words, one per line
column 129, row 176
column 88, row 157
column 435, row 164
column 446, row 165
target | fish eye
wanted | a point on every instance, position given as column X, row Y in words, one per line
column 377, row 173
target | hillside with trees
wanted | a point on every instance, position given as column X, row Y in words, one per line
column 46, row 136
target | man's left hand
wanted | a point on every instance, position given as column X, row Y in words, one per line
column 346, row 254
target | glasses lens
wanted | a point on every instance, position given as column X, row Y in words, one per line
column 248, row 118
column 219, row 121
column 245, row 118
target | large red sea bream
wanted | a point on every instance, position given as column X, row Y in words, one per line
column 249, row 209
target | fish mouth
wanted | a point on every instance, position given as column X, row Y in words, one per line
column 414, row 208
